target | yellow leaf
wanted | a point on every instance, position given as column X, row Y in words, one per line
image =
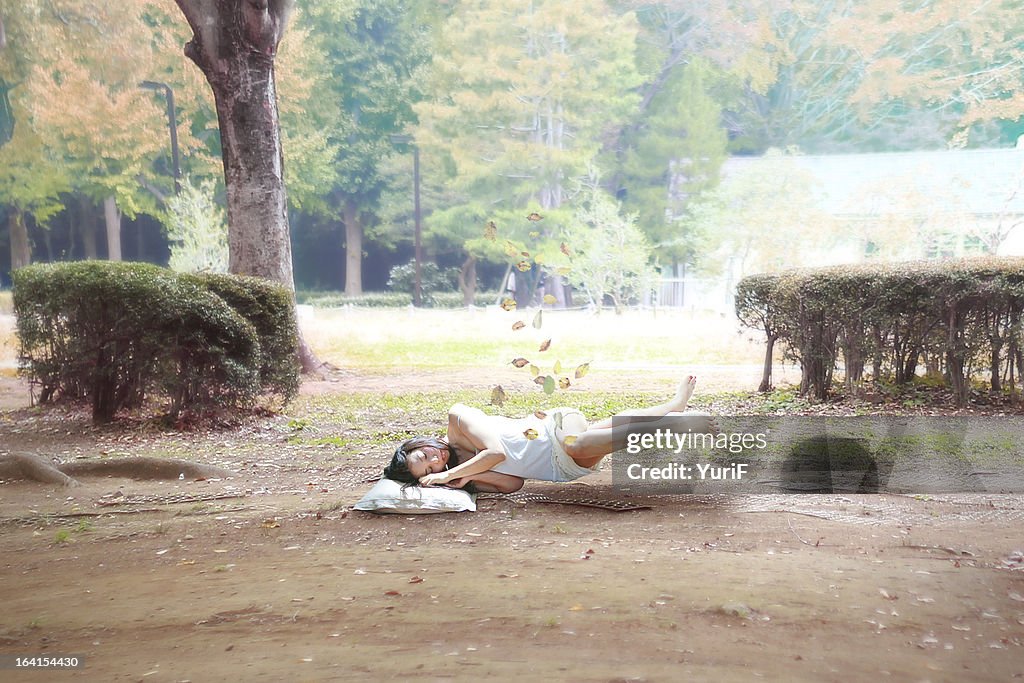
column 534, row 370
column 523, row 266
column 564, row 270
column 534, row 235
column 576, row 608
column 557, row 369
column 530, row 434
column 550, row 299
column 509, row 304
column 510, row 249
column 582, row 370
column 563, row 383
column 569, row 440
column 497, row 396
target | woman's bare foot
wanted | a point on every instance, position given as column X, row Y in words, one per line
column 683, row 394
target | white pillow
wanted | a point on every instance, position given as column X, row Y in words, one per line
column 388, row 496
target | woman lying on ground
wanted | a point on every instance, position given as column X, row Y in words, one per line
column 495, row 454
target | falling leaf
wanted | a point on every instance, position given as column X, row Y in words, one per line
column 518, row 325
column 564, row 270
column 535, row 217
column 520, row 362
column 523, row 266
column 582, row 370
column 491, row 231
column 565, row 249
column 569, row 440
column 530, row 434
column 270, row 524
column 534, row 370
column 549, row 385
column 391, row 593
column 416, row 579
column 558, row 421
column 509, row 304
column 550, row 299
column 576, row 608
column 540, row 414
column 563, row 383
column 538, row 320
column 539, row 380
column 545, row 345
column 534, row 234
column 510, row 249
column 557, row 369
column 497, row 396
column 525, row 254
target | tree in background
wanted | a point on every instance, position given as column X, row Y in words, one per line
column 197, row 229
column 611, row 255
column 372, row 52
column 523, row 94
column 872, row 75
column 762, row 218
column 671, row 157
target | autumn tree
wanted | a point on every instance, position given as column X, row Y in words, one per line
column 523, row 94
column 872, row 75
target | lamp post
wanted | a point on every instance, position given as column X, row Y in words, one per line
column 172, row 124
column 417, row 298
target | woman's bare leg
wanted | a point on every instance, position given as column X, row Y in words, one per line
column 676, row 405
column 593, row 443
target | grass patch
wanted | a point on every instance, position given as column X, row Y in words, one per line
column 431, row 340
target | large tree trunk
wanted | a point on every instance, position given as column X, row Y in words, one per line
column 234, row 43
column 112, row 215
column 467, row 281
column 21, row 253
column 87, row 227
column 353, row 250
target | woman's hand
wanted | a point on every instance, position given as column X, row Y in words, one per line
column 435, row 479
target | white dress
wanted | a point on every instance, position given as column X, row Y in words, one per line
column 541, row 458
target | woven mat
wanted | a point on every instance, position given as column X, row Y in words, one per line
column 170, row 499
column 523, row 498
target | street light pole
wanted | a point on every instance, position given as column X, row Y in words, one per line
column 172, row 124
column 417, row 293
column 417, row 297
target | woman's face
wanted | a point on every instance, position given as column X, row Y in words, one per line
column 426, row 460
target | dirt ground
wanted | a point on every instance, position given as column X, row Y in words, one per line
column 270, row 576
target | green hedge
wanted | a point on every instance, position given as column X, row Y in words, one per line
column 117, row 332
column 445, row 300
column 960, row 318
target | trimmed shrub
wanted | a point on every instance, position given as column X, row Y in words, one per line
column 960, row 318
column 268, row 307
column 114, row 332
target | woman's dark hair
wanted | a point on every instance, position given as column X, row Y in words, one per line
column 398, row 468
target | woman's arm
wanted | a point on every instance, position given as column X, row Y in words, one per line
column 491, row 482
column 481, row 462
